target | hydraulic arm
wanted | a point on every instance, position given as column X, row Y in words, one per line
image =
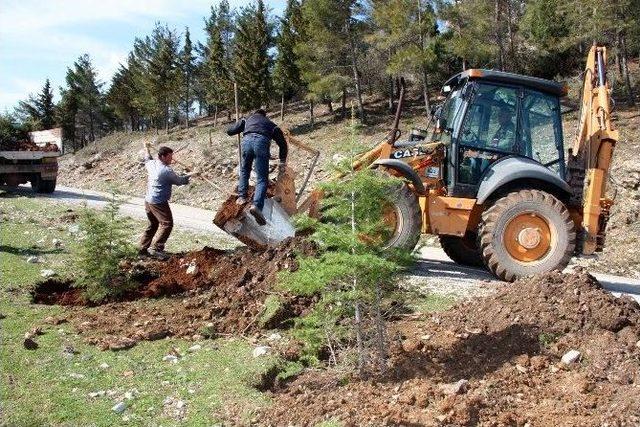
column 590, row 157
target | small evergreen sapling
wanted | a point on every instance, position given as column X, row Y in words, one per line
column 105, row 244
column 353, row 273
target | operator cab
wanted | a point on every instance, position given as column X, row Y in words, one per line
column 489, row 116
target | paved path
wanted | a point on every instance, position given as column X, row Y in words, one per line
column 434, row 270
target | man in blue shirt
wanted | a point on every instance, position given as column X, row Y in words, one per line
column 156, row 202
column 258, row 131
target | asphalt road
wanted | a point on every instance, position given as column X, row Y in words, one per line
column 434, row 270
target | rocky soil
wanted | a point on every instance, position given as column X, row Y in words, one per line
column 554, row 350
column 207, row 293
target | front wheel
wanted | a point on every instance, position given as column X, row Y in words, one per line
column 526, row 232
column 404, row 217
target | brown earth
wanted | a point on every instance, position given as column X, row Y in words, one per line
column 26, row 146
column 224, row 294
column 508, row 347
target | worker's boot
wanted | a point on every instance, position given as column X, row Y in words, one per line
column 158, row 254
column 257, row 214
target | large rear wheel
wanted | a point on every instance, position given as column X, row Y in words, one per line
column 462, row 250
column 404, row 217
column 526, row 232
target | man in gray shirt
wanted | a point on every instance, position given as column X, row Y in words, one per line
column 156, row 202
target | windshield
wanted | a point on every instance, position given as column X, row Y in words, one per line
column 448, row 113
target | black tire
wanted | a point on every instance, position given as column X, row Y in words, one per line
column 408, row 219
column 462, row 250
column 43, row 186
column 496, row 224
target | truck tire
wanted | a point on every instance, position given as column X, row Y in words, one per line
column 462, row 250
column 43, row 186
column 526, row 232
column 407, row 219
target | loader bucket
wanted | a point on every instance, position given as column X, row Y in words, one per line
column 237, row 221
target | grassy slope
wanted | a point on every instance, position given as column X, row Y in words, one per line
column 37, row 386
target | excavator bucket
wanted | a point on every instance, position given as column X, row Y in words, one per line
column 245, row 228
column 236, row 220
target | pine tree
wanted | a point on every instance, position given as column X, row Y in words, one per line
column 409, row 33
column 252, row 60
column 39, row 111
column 286, row 73
column 329, row 51
column 83, row 103
column 215, row 74
column 187, row 64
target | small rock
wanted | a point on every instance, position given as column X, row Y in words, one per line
column 261, row 350
column 30, row 344
column 192, row 268
column 33, row 260
column 274, row 337
column 128, row 395
column 459, row 387
column 553, row 369
column 127, row 374
column 119, row 407
column 180, row 404
column 170, row 358
column 522, row 369
column 191, row 391
column 104, row 365
column 95, row 394
column 73, row 229
column 637, row 344
column 47, row 273
column 426, row 337
column 56, row 243
column 76, row 376
column 194, row 347
column 41, row 242
column 570, row 357
column 411, row 345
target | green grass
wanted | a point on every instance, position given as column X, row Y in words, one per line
column 432, row 303
column 37, row 387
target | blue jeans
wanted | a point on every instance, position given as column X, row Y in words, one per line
column 255, row 148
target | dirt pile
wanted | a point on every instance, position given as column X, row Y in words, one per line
column 209, row 293
column 493, row 361
column 26, row 146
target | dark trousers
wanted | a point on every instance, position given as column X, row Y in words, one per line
column 160, row 221
column 255, row 152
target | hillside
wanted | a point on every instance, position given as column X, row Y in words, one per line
column 113, row 163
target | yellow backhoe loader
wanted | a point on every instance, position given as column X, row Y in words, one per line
column 493, row 180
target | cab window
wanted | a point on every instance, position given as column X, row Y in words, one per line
column 541, row 129
column 488, row 131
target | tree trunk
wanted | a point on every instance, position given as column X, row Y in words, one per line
column 186, row 104
column 311, row 117
column 344, row 104
column 282, row 108
column 512, row 51
column 356, row 78
column 625, row 70
column 498, row 36
column 215, row 115
column 425, row 92
column 391, row 95
column 329, row 106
